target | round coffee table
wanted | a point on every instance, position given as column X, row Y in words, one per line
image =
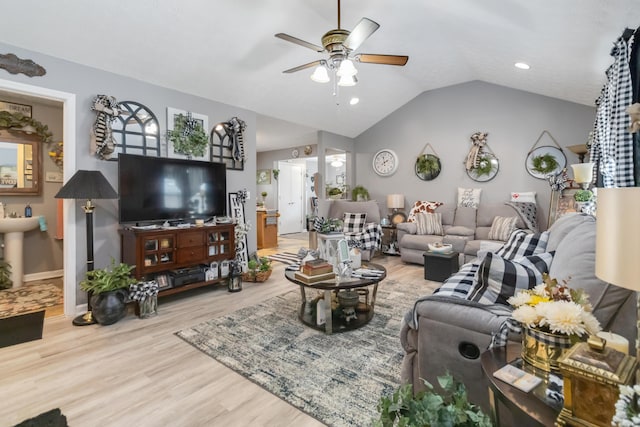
column 360, row 315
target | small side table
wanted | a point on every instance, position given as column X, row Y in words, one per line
column 439, row 267
column 525, row 407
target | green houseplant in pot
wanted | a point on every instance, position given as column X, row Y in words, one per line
column 109, row 288
column 5, row 275
column 359, row 193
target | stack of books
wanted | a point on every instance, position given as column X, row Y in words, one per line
column 314, row 271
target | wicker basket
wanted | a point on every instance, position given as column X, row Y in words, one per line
column 260, row 276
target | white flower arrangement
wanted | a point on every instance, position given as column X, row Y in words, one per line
column 627, row 407
column 555, row 308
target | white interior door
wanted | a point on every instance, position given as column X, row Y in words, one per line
column 290, row 197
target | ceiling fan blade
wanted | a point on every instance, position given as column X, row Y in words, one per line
column 302, row 67
column 297, row 41
column 371, row 58
column 360, row 33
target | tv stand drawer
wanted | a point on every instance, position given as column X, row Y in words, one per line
column 191, row 238
column 194, row 254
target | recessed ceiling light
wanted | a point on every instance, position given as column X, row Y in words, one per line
column 354, row 101
column 522, row 65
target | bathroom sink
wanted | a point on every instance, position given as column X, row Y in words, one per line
column 13, row 230
column 20, row 225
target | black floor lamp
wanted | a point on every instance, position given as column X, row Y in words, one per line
column 87, row 185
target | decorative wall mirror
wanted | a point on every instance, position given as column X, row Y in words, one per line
column 335, row 173
column 135, row 131
column 20, row 164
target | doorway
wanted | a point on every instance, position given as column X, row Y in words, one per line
column 290, row 197
column 68, row 101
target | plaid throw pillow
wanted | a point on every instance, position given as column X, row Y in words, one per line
column 422, row 206
column 429, row 223
column 353, row 222
column 502, row 227
column 521, row 244
column 499, row 279
column 460, row 283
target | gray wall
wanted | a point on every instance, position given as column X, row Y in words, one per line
column 45, row 251
column 447, row 118
column 85, row 83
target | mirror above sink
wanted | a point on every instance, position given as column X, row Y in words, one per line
column 20, row 163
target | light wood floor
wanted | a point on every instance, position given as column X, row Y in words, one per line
column 138, row 373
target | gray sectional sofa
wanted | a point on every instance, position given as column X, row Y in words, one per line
column 464, row 227
column 439, row 329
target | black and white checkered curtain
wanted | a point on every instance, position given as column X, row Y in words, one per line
column 612, row 149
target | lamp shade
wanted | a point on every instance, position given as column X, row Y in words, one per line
column 320, row 74
column 583, row 172
column 395, row 201
column 617, row 231
column 87, row 185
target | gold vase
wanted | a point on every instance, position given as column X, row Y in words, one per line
column 543, row 349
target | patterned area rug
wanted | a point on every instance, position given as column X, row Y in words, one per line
column 28, row 298
column 338, row 378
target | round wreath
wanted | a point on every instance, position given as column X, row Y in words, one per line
column 18, row 121
column 544, row 163
column 188, row 140
column 484, row 167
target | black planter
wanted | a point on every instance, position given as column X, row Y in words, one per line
column 109, row 307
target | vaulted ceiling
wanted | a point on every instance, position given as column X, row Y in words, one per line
column 225, row 50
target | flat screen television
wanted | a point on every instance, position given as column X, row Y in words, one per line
column 162, row 189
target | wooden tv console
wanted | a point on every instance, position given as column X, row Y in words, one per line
column 155, row 252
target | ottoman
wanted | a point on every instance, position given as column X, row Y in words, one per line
column 440, row 266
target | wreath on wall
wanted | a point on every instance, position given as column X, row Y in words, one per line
column 188, row 136
column 18, row 121
column 544, row 163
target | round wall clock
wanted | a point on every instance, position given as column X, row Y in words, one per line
column 385, row 162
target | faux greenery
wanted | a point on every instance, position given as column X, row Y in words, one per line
column 5, row 275
column 428, row 164
column 485, row 166
column 192, row 143
column 334, row 191
column 583, row 196
column 359, row 190
column 544, row 163
column 275, row 173
column 18, row 120
column 108, row 279
column 264, row 194
column 429, row 408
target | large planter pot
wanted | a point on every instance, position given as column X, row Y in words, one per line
column 109, row 307
column 543, row 349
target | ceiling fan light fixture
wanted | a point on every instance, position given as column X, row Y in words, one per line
column 320, row 74
column 347, row 69
column 347, row 81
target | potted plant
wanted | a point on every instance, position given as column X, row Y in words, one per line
column 108, row 288
column 259, row 270
column 359, row 193
column 334, row 193
column 429, row 408
column 582, row 198
column 5, row 275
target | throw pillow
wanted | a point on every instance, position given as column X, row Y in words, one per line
column 523, row 196
column 499, row 279
column 429, row 223
column 502, row 227
column 353, row 222
column 422, row 206
column 521, row 244
column 469, row 197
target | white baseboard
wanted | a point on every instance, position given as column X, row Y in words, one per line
column 44, row 275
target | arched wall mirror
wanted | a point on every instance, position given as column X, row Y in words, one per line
column 336, row 179
column 135, row 131
column 20, row 163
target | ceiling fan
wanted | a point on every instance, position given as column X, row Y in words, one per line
column 340, row 44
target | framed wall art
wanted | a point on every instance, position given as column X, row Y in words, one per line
column 187, row 135
column 263, row 176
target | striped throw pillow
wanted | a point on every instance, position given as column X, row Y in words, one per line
column 502, row 227
column 430, row 223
